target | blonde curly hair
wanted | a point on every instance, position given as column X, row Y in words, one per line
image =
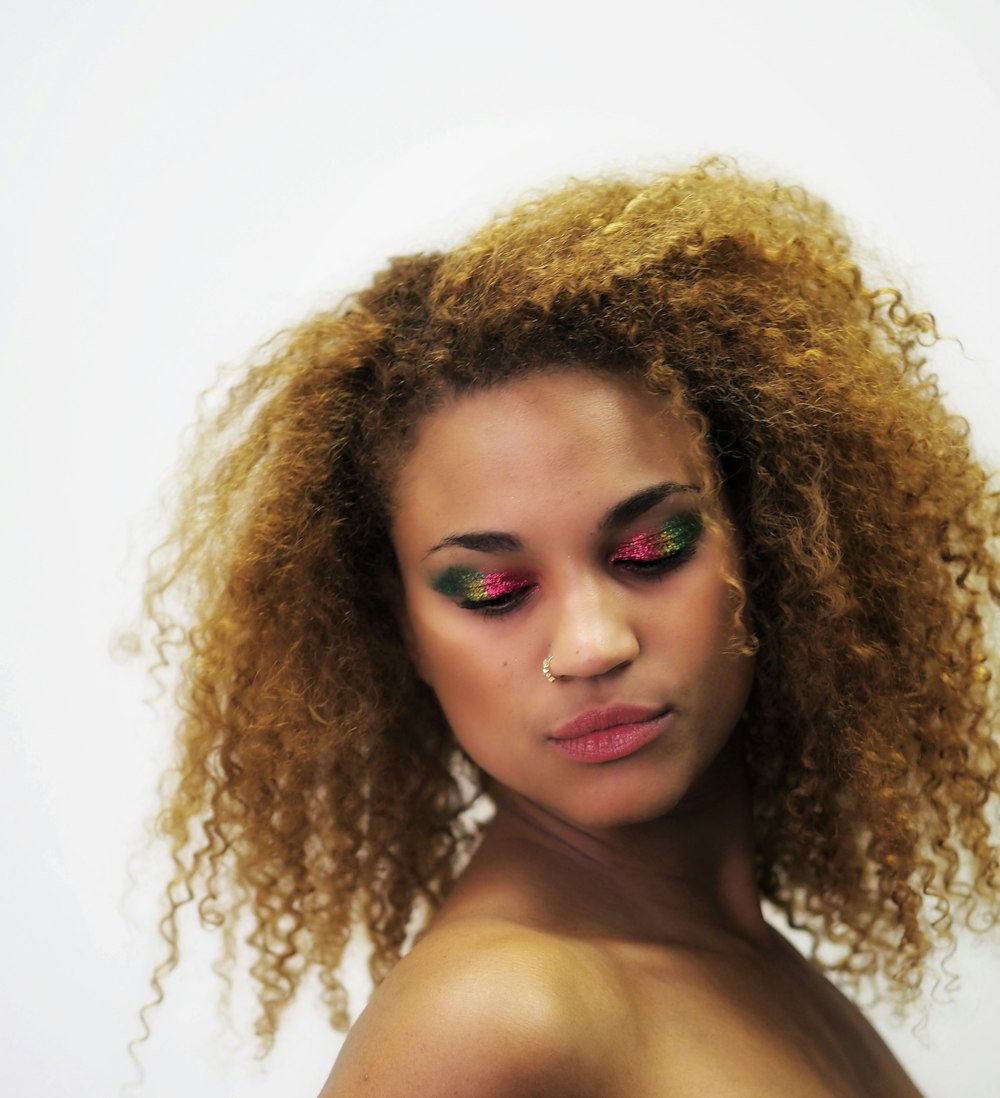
column 317, row 786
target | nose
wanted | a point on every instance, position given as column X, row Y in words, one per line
column 593, row 634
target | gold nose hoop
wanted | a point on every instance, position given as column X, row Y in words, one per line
column 547, row 669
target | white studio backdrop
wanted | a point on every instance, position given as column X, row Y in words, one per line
column 181, row 179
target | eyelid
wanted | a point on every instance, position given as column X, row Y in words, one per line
column 473, row 587
column 674, row 535
column 499, row 590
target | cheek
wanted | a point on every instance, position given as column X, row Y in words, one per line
column 703, row 622
column 731, row 671
column 478, row 683
column 464, row 663
column 706, row 636
column 432, row 653
column 432, row 646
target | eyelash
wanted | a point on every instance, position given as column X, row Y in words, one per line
column 512, row 588
column 657, row 554
column 502, row 604
column 685, row 530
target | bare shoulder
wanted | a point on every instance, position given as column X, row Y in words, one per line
column 483, row 1009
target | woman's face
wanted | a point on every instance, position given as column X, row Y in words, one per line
column 558, row 516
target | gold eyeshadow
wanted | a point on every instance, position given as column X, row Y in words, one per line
column 472, row 586
column 676, row 535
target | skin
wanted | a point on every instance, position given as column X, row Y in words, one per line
column 607, row 938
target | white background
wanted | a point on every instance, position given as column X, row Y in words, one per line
column 179, row 180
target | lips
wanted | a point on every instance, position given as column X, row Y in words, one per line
column 603, row 735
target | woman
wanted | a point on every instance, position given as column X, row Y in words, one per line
column 557, row 600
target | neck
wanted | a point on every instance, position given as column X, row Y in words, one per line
column 688, row 872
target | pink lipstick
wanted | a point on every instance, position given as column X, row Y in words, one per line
column 603, row 735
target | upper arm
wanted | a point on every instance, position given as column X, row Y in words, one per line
column 502, row 1022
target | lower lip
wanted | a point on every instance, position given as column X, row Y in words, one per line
column 611, row 743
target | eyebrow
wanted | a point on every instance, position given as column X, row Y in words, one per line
column 642, row 501
column 622, row 513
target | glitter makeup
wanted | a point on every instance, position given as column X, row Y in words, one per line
column 474, row 588
column 675, row 537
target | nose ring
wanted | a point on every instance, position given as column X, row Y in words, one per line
column 546, row 669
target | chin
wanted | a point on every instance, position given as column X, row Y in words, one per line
column 608, row 813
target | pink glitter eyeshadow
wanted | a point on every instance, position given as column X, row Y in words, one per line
column 673, row 537
column 495, row 584
column 472, row 586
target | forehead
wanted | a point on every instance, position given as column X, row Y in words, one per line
column 539, row 442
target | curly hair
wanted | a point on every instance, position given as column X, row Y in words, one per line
column 317, row 786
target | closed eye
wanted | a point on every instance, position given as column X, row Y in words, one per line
column 485, row 592
column 659, row 551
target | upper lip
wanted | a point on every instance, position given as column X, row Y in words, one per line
column 598, row 720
